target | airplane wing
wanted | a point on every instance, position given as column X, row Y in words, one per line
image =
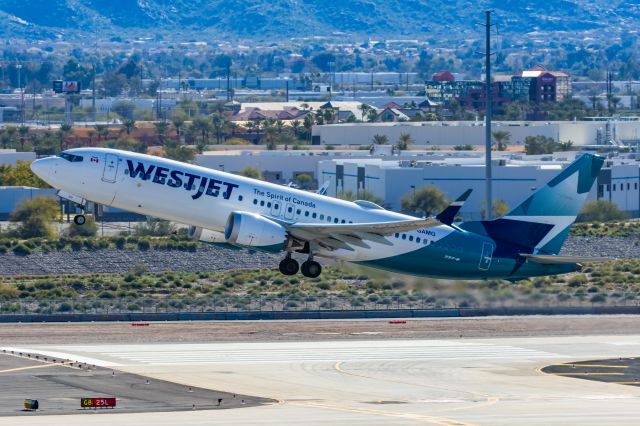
column 347, row 235
column 555, row 260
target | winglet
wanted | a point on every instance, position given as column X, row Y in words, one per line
column 323, row 189
column 449, row 214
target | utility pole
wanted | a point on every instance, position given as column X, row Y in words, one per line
column 488, row 117
column 19, row 67
column 93, row 95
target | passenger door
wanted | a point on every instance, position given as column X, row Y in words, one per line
column 486, row 256
column 110, row 171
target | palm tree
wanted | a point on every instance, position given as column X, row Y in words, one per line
column 161, row 128
column 178, row 121
column 308, row 123
column 23, row 131
column 380, row 139
column 218, row 124
column 404, row 141
column 203, row 126
column 102, row 130
column 10, row 132
column 129, row 125
column 372, row 115
column 279, row 125
column 295, row 125
column 91, row 133
column 365, row 110
column 501, row 140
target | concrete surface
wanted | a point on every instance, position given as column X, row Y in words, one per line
column 59, row 387
column 373, row 378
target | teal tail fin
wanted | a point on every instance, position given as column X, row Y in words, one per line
column 542, row 222
column 448, row 215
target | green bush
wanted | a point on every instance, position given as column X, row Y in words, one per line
column 600, row 211
column 22, row 250
column 89, row 229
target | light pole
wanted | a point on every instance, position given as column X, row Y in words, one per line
column 19, row 68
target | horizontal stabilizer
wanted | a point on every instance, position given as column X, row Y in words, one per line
column 557, row 260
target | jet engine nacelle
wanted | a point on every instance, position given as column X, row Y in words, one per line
column 196, row 233
column 252, row 230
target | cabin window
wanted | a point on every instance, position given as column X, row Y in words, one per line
column 240, row 198
column 314, row 215
column 269, row 205
column 418, row 240
column 306, row 214
column 410, row 237
column 255, row 202
column 336, row 220
column 321, row 217
column 290, row 209
column 344, row 221
column 404, row 236
column 275, row 206
column 261, row 203
column 298, row 212
column 397, row 235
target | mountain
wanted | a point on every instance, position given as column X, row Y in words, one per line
column 283, row 19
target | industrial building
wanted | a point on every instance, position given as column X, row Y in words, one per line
column 515, row 176
column 447, row 134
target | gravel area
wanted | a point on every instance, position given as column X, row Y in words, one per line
column 616, row 247
column 107, row 261
column 212, row 259
column 312, row 330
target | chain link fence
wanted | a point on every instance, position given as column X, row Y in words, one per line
column 297, row 303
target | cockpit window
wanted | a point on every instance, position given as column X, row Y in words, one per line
column 71, row 157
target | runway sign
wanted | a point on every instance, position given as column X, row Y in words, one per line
column 98, row 402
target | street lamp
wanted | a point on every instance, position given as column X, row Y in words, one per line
column 19, row 68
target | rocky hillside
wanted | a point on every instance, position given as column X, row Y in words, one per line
column 282, row 19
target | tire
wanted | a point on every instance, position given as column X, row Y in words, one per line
column 311, row 269
column 289, row 266
column 79, row 219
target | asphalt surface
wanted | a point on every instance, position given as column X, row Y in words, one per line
column 58, row 389
column 621, row 371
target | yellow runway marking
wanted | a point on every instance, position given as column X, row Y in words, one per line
column 27, row 368
column 587, row 374
column 593, row 365
column 627, row 383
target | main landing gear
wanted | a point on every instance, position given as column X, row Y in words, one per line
column 310, row 268
column 289, row 266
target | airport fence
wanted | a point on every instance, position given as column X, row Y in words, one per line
column 295, row 303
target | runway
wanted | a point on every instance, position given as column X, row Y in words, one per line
column 376, row 381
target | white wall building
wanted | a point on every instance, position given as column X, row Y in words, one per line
column 513, row 179
column 450, row 134
column 9, row 157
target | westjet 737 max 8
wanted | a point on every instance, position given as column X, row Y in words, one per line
column 223, row 208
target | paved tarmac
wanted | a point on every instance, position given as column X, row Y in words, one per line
column 464, row 381
column 59, row 387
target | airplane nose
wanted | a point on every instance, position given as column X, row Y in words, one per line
column 42, row 167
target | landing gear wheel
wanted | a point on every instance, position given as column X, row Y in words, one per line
column 311, row 269
column 79, row 219
column 289, row 266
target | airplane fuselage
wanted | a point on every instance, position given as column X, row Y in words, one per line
column 205, row 198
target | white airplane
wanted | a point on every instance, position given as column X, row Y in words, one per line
column 223, row 208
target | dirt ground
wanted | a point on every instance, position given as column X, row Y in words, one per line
column 261, row 331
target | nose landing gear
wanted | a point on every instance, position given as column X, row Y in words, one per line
column 79, row 219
